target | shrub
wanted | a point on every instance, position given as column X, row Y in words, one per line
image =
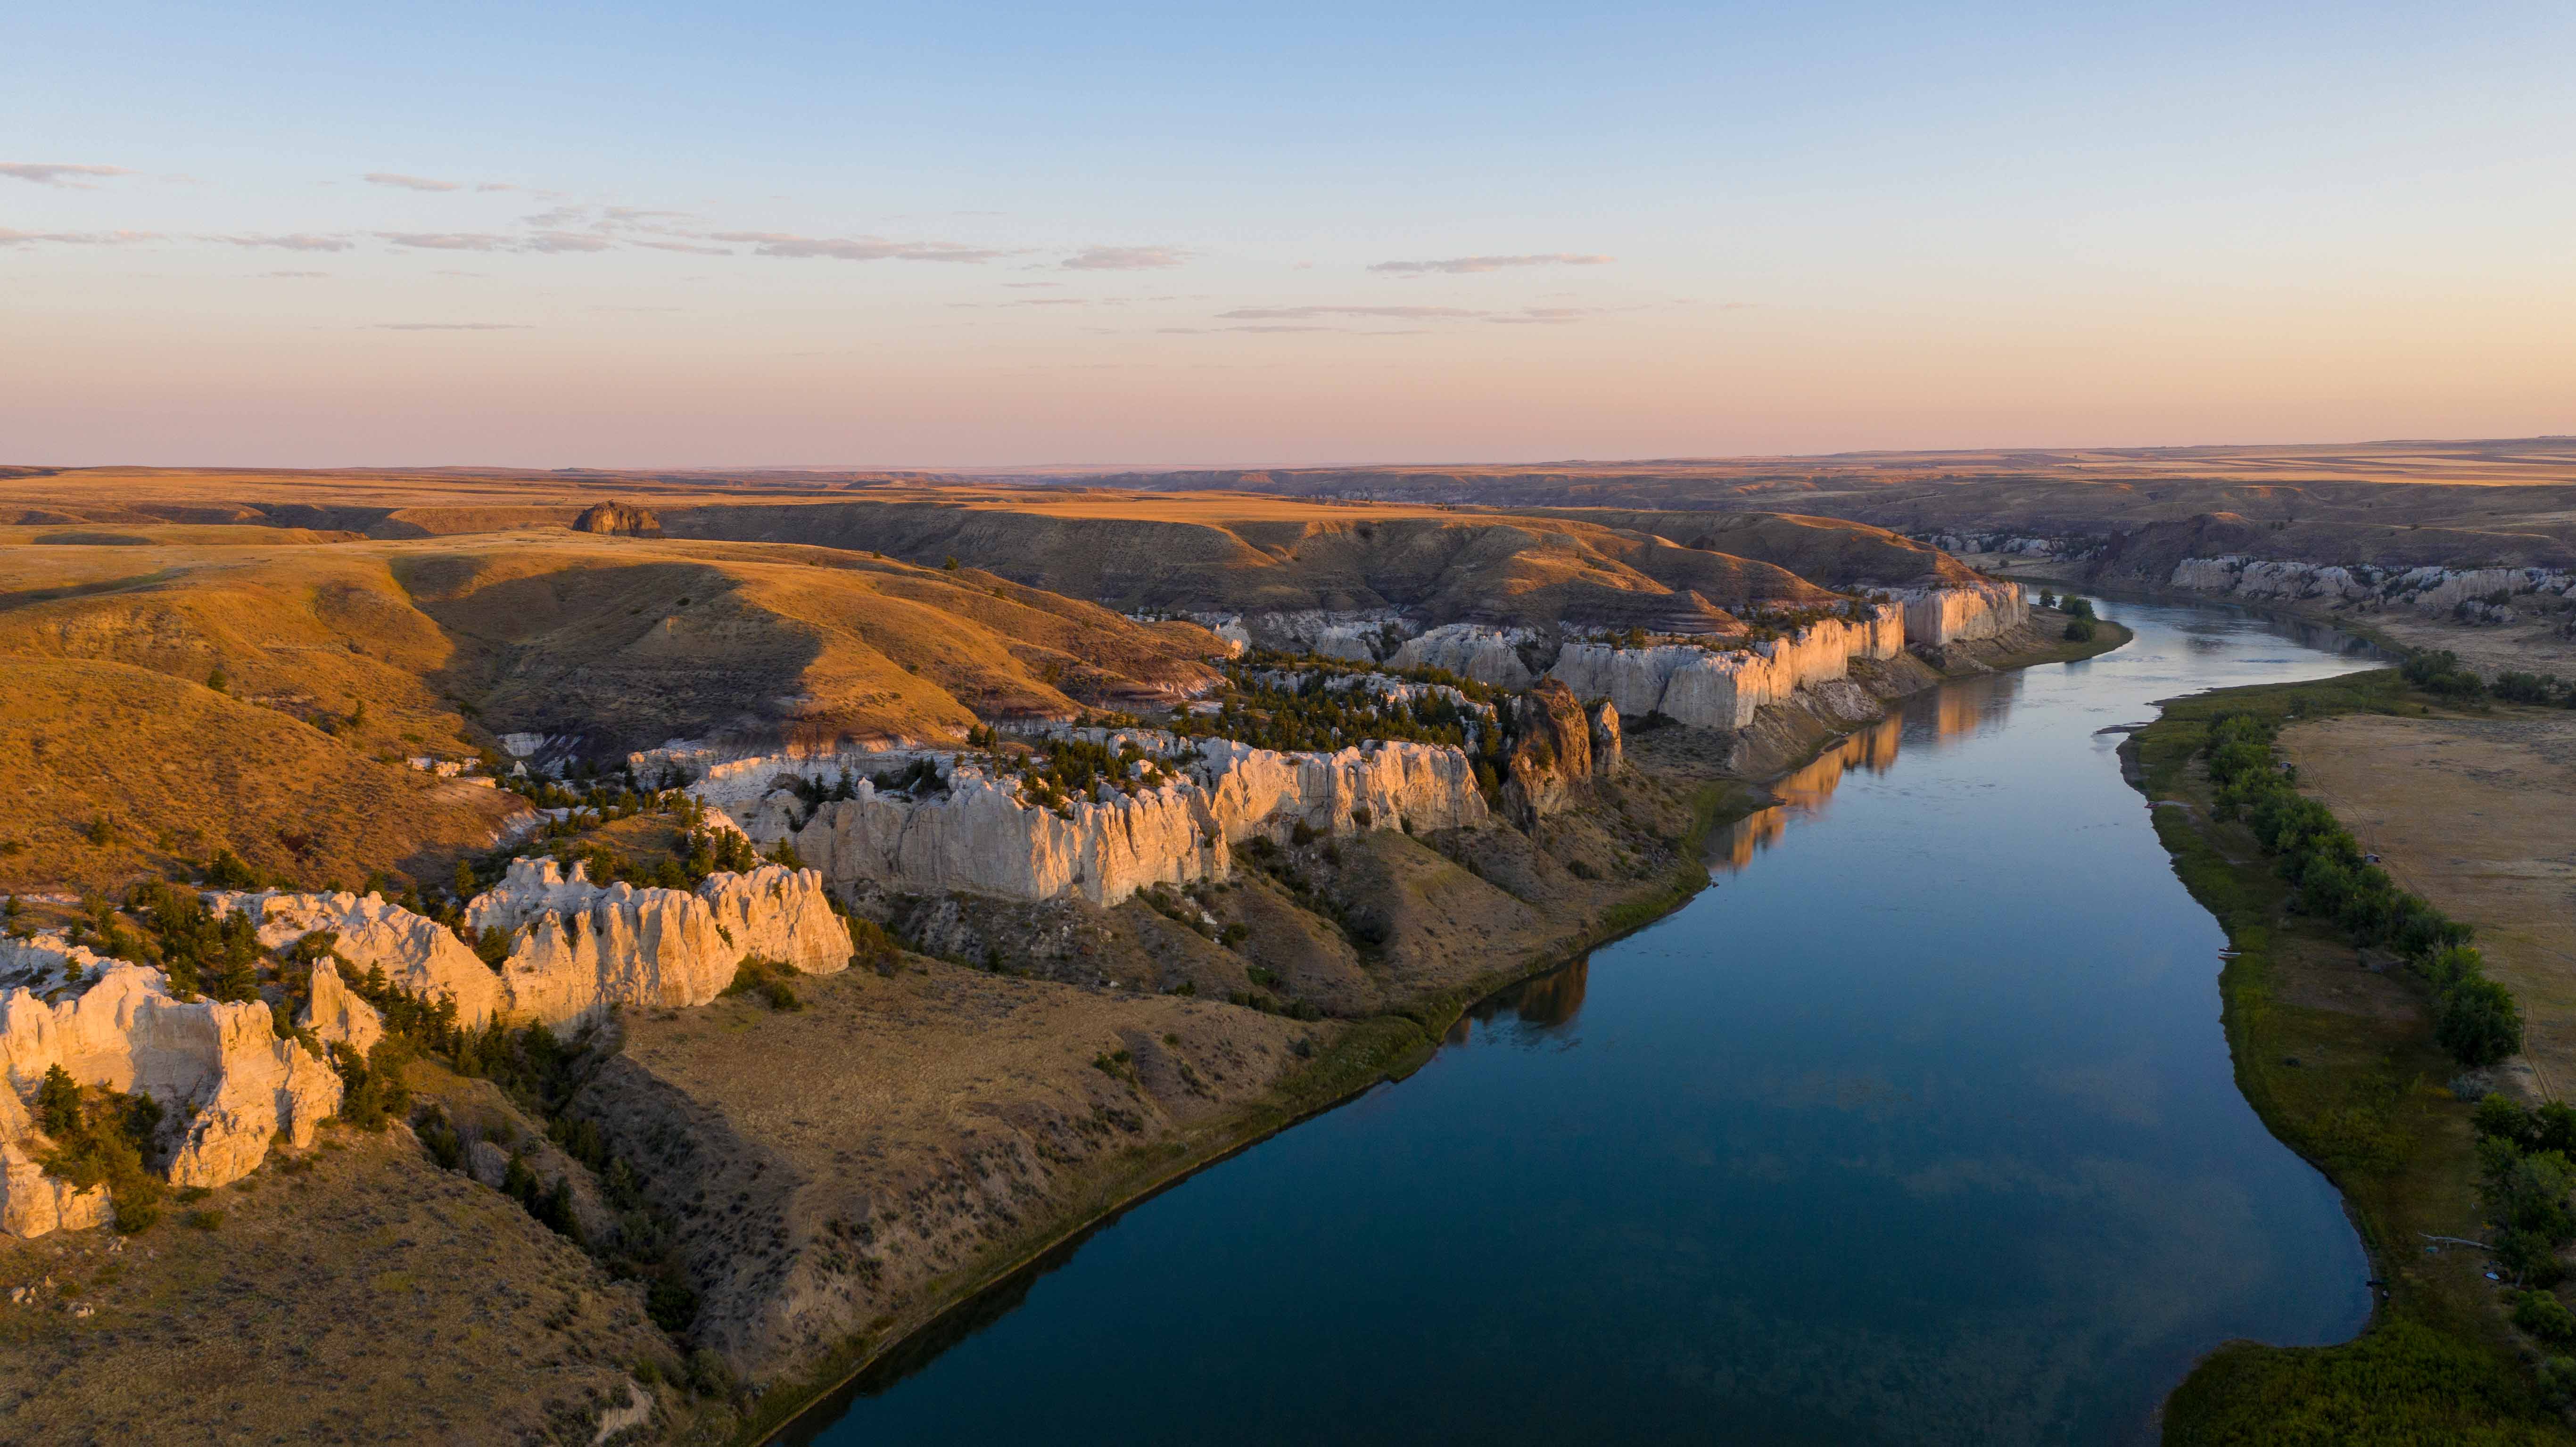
column 766, row 978
column 2545, row 1317
column 100, row 1138
column 2477, row 1021
column 2079, row 630
column 671, row 1304
column 709, row 1374
column 229, row 872
column 372, row 1092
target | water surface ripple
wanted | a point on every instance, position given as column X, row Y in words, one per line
column 1917, row 1127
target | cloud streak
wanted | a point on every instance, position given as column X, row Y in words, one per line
column 1124, row 258
column 1299, row 313
column 409, row 183
column 1465, row 265
column 9, row 237
column 855, row 248
column 292, row 241
column 58, row 173
column 449, row 327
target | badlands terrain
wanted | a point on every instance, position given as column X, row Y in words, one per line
column 571, row 957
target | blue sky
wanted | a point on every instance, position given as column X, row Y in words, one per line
column 1000, row 234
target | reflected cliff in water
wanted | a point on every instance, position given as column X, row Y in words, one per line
column 1536, row 1006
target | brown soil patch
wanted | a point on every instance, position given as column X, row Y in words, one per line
column 2471, row 812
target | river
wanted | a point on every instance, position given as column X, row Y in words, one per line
column 1917, row 1127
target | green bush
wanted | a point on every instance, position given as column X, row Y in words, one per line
column 2545, row 1317
column 766, row 978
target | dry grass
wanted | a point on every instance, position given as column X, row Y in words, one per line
column 2470, row 811
column 370, row 1298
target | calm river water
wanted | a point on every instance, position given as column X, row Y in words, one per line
column 1917, row 1127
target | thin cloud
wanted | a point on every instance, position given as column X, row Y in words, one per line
column 445, row 240
column 9, row 237
column 556, row 242
column 1030, row 285
column 1047, row 301
column 1547, row 316
column 450, row 327
column 691, row 248
column 1298, row 313
column 296, row 275
column 409, row 183
column 58, row 173
column 1462, row 265
column 542, row 243
column 1124, row 258
column 292, row 241
column 855, row 248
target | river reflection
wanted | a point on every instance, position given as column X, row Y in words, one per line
column 1917, row 1127
column 1536, row 1006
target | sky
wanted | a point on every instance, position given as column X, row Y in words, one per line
column 981, row 235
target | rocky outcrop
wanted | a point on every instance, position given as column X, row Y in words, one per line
column 622, row 519
column 1487, row 655
column 419, row 956
column 45, row 962
column 1609, row 753
column 335, row 1014
column 1362, row 636
column 779, row 914
column 1724, row 688
column 1960, row 613
column 981, row 834
column 1550, row 768
column 219, row 1065
column 2482, row 595
column 33, row 1203
column 579, row 949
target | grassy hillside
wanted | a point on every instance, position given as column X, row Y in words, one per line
column 197, row 690
column 1253, row 554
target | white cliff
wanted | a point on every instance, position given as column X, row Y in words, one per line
column 1963, row 612
column 2466, row 592
column 335, row 1014
column 981, row 834
column 220, row 1065
column 1724, row 689
column 578, row 948
column 419, row 956
column 33, row 1203
column 1469, row 650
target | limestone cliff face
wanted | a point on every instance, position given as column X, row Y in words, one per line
column 982, row 837
column 979, row 834
column 1609, row 754
column 221, row 1060
column 1962, row 612
column 579, row 949
column 2465, row 591
column 1551, row 761
column 335, row 1014
column 1707, row 688
column 419, row 956
column 35, row 1204
column 780, row 914
column 1487, row 655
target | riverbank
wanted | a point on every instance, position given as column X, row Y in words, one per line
column 1393, row 1044
column 2335, row 1052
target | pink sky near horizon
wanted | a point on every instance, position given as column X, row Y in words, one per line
column 285, row 235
